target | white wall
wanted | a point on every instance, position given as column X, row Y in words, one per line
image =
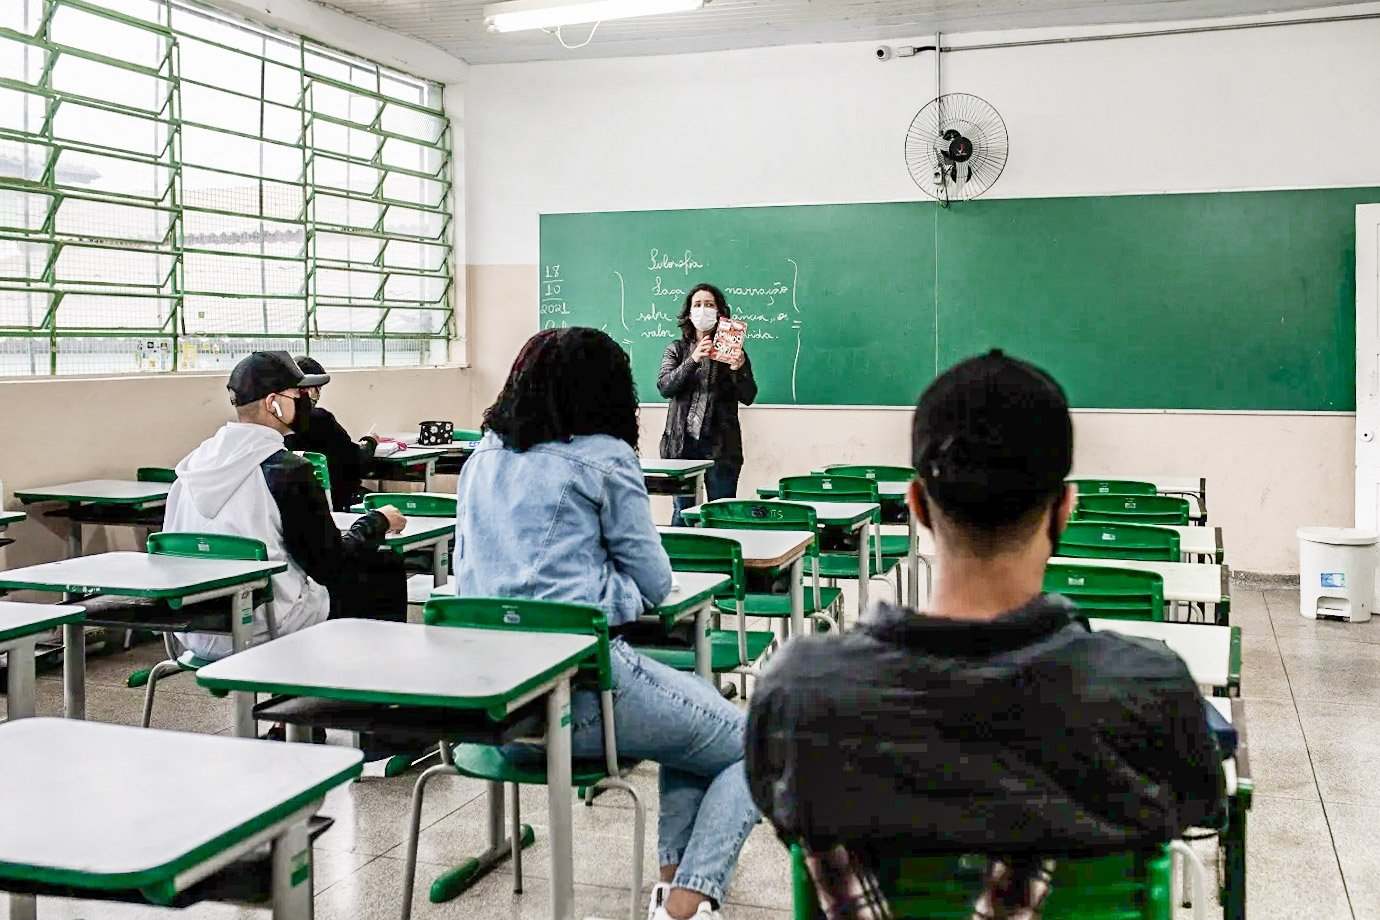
column 1219, row 111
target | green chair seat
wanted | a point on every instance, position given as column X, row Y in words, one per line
column 845, row 565
column 189, row 661
column 486, row 762
column 1133, row 885
column 779, row 605
column 897, row 544
column 723, row 651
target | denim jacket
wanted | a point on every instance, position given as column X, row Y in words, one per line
column 563, row 521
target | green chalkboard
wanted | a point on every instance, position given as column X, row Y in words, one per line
column 1237, row 300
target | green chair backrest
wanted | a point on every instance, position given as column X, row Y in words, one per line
column 877, row 473
column 1126, row 594
column 1113, row 487
column 155, row 474
column 416, row 504
column 828, row 488
column 527, row 616
column 695, row 552
column 1132, row 509
column 746, row 514
column 1091, row 540
column 466, row 434
column 1132, row 885
column 320, row 468
column 207, row 546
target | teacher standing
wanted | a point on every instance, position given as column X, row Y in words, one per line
column 702, row 418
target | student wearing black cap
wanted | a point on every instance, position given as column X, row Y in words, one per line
column 345, row 457
column 995, row 722
column 243, row 481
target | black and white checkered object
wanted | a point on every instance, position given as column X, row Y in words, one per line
column 435, row 434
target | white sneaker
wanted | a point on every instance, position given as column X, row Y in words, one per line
column 659, row 892
column 703, row 912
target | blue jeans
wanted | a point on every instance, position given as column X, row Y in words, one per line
column 720, row 481
column 681, row 722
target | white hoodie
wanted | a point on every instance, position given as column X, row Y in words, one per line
column 220, row 489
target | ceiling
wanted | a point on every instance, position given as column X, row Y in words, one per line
column 457, row 25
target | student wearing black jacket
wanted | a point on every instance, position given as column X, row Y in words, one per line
column 345, row 457
column 995, row 722
column 243, row 481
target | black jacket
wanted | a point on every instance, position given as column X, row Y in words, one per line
column 344, row 456
column 1029, row 733
column 677, row 381
column 309, row 533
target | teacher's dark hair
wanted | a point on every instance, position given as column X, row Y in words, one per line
column 687, row 328
column 566, row 382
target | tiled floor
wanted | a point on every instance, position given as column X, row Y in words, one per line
column 1312, row 693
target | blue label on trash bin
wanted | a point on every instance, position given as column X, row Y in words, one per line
column 1334, row 579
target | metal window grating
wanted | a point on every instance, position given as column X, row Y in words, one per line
column 179, row 187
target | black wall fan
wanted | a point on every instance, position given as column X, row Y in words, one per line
column 956, row 147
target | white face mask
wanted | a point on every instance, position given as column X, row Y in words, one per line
column 704, row 318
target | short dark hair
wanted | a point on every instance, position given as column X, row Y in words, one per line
column 687, row 328
column 992, row 443
column 566, row 382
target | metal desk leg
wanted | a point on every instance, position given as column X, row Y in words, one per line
column 798, row 596
column 699, row 488
column 74, row 670
column 73, row 531
column 703, row 652
column 559, row 816
column 241, row 632
column 439, row 563
column 428, row 473
column 21, row 686
column 292, row 875
column 864, row 569
column 1234, row 849
column 913, row 561
column 23, row 907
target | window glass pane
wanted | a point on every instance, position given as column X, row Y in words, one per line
column 179, row 187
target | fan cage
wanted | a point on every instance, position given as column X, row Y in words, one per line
column 925, row 147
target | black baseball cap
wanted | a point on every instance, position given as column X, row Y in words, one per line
column 992, row 440
column 310, row 365
column 266, row 372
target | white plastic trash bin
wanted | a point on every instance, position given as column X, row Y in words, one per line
column 1336, row 573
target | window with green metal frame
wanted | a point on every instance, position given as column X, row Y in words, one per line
column 179, row 187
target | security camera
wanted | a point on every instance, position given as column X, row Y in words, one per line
column 883, row 52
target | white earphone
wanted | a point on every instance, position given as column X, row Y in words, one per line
column 276, row 409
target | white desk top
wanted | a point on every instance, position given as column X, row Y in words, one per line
column 414, row 454
column 381, row 662
column 17, row 620
column 762, row 549
column 137, row 575
column 1199, row 541
column 655, row 467
column 410, row 438
column 11, row 517
column 103, row 491
column 1205, row 648
column 1183, row 581
column 689, row 586
column 111, row 806
column 418, row 530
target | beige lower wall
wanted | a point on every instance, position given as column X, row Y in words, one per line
column 1267, row 474
column 54, row 431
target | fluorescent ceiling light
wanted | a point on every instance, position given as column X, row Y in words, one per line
column 516, row 15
